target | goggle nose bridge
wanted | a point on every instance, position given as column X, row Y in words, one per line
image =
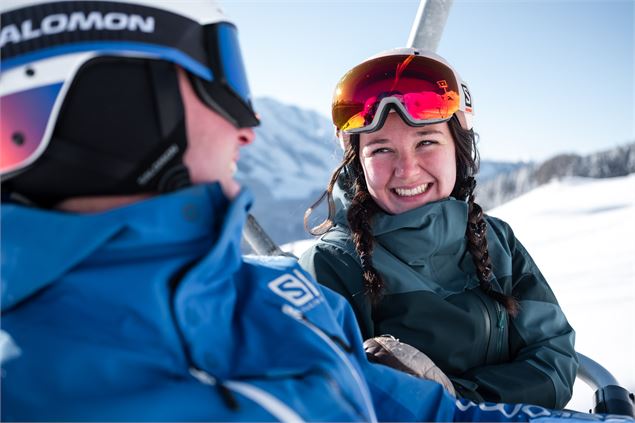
column 381, row 112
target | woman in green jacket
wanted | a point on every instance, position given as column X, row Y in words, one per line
column 412, row 251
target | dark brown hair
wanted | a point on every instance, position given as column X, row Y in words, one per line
column 363, row 208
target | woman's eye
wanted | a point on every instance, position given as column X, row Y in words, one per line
column 425, row 143
column 380, row 151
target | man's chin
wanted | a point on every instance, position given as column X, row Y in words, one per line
column 230, row 188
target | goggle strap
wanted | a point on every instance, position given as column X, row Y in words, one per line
column 166, row 91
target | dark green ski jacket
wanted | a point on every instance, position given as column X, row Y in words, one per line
column 432, row 301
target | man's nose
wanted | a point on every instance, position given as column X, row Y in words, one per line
column 246, row 136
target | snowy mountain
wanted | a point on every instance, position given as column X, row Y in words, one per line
column 288, row 166
column 490, row 170
column 581, row 233
column 294, row 152
column 505, row 186
column 290, row 163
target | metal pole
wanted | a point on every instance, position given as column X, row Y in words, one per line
column 260, row 241
column 428, row 25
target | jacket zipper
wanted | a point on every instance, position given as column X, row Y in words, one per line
column 501, row 326
column 273, row 405
column 488, row 323
column 298, row 316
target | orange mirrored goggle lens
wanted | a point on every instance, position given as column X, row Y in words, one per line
column 428, row 90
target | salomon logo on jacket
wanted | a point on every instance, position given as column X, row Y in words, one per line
column 294, row 288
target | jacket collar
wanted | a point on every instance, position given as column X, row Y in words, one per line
column 421, row 249
column 436, row 228
column 416, row 235
column 39, row 246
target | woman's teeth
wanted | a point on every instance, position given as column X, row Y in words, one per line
column 410, row 192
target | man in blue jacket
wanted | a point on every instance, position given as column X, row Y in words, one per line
column 124, row 294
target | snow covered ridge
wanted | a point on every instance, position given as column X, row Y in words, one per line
column 287, row 166
column 294, row 152
column 619, row 161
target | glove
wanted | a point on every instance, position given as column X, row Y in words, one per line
column 387, row 350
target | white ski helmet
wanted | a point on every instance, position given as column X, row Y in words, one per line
column 89, row 98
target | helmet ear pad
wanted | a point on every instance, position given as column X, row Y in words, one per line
column 121, row 130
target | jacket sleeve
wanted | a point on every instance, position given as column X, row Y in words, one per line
column 543, row 362
column 334, row 268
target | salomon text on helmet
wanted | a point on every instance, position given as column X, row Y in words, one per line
column 89, row 98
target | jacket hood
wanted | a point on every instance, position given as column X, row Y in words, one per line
column 39, row 246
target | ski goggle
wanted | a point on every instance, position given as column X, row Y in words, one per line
column 228, row 90
column 419, row 86
column 36, row 73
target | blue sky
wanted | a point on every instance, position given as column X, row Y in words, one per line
column 546, row 77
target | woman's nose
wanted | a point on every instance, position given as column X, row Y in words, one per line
column 406, row 166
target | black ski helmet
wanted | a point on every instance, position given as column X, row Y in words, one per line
column 89, row 96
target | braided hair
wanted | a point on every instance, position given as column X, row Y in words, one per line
column 363, row 208
column 467, row 165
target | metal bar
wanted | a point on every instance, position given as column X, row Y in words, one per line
column 428, row 25
column 259, row 240
column 593, row 374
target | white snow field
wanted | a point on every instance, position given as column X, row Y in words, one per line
column 581, row 233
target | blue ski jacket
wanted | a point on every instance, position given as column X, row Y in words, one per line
column 149, row 313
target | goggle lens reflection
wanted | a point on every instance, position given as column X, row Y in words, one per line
column 428, row 90
column 23, row 120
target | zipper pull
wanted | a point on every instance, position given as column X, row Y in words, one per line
column 293, row 312
column 225, row 393
column 228, row 397
column 297, row 314
column 501, row 319
column 500, row 314
column 339, row 341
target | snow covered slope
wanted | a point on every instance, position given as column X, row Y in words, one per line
column 581, row 233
